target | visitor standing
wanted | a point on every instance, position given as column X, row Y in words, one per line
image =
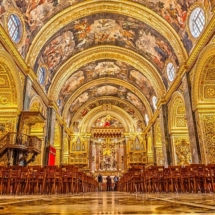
column 115, row 179
column 108, row 183
column 100, row 180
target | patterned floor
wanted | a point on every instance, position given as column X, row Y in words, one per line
column 102, row 203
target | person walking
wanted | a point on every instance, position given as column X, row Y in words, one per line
column 108, row 183
column 100, row 180
column 115, row 179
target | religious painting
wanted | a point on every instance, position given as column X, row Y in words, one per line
column 107, row 122
column 106, row 29
column 175, row 13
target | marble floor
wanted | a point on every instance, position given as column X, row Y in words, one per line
column 102, row 203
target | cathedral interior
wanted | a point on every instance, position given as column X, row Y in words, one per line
column 104, row 86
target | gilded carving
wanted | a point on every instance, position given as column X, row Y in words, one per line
column 182, row 150
column 5, row 99
column 209, row 137
column 209, row 91
column 4, row 82
column 181, row 122
column 5, row 127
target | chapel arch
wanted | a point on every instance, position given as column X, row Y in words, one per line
column 178, row 131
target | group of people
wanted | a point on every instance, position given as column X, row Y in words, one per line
column 108, row 182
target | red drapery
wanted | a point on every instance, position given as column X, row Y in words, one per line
column 51, row 155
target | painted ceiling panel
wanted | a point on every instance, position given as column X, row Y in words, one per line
column 37, row 12
column 108, row 68
column 107, row 90
column 106, row 29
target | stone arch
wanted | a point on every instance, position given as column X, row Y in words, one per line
column 178, row 130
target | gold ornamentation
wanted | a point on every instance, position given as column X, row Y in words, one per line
column 4, row 99
column 181, row 122
column 182, row 149
column 209, row 137
column 209, row 91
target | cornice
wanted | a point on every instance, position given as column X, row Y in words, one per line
column 122, row 7
column 106, row 52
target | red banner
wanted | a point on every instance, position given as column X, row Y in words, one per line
column 51, row 155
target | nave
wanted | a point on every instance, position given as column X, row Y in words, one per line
column 98, row 203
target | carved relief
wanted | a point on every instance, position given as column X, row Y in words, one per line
column 181, row 122
column 5, row 128
column 4, row 82
column 209, row 91
column 182, row 149
column 209, row 137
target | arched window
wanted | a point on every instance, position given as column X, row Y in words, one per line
column 197, row 22
column 170, row 71
column 14, row 28
column 154, row 102
column 41, row 75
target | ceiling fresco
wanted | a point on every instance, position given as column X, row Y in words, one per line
column 107, row 68
column 107, row 90
column 36, row 13
column 107, row 121
column 133, row 113
column 106, row 29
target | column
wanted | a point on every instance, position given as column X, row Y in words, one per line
column 166, row 142
column 50, row 129
column 191, row 122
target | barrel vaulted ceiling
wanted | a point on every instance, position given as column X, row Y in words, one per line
column 104, row 52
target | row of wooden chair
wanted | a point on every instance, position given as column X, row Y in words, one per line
column 45, row 180
column 186, row 179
